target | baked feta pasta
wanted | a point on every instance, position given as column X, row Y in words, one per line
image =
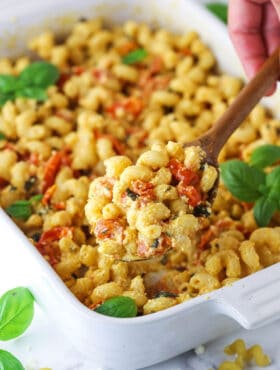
column 93, row 167
column 143, row 210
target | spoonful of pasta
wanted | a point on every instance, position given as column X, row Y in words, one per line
column 142, row 210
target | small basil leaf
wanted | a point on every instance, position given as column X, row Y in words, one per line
column 36, row 198
column 29, row 183
column 16, row 312
column 265, row 155
column 2, row 136
column 135, row 56
column 264, row 209
column 32, row 92
column 220, row 10
column 131, row 194
column 242, row 180
column 7, row 83
column 41, row 74
column 9, row 362
column 118, row 307
column 6, row 97
column 21, row 209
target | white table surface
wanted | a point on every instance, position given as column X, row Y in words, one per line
column 44, row 346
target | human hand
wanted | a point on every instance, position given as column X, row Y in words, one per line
column 254, row 27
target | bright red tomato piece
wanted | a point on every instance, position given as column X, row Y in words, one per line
column 51, row 169
column 108, row 229
column 181, row 173
column 143, row 189
column 45, row 244
column 193, row 195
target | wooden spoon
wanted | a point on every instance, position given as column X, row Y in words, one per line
column 214, row 139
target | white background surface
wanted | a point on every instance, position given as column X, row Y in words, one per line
column 44, row 346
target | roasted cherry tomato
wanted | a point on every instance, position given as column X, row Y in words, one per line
column 143, row 189
column 53, row 165
column 108, row 229
column 45, row 244
column 193, row 195
column 181, row 173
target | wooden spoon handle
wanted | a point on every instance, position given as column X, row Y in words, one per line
column 249, row 96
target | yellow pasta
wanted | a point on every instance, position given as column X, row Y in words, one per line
column 228, row 365
column 244, row 356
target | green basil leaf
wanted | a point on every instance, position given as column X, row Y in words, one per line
column 9, row 362
column 16, row 312
column 274, row 193
column 264, row 189
column 6, row 97
column 265, row 155
column 135, row 56
column 242, row 180
column 2, row 136
column 8, row 84
column 36, row 198
column 273, row 178
column 220, row 10
column 273, row 184
column 264, row 209
column 32, row 92
column 118, row 307
column 21, row 209
column 40, row 74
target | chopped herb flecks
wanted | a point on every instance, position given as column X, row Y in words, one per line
column 36, row 237
column 28, row 185
column 201, row 211
column 165, row 294
column 131, row 194
column 155, row 243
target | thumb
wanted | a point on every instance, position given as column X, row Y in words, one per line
column 276, row 4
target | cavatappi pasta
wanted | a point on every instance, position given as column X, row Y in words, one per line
column 102, row 108
column 244, row 356
column 143, row 210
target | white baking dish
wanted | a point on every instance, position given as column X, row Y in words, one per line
column 128, row 344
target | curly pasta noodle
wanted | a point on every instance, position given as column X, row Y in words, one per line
column 244, row 356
